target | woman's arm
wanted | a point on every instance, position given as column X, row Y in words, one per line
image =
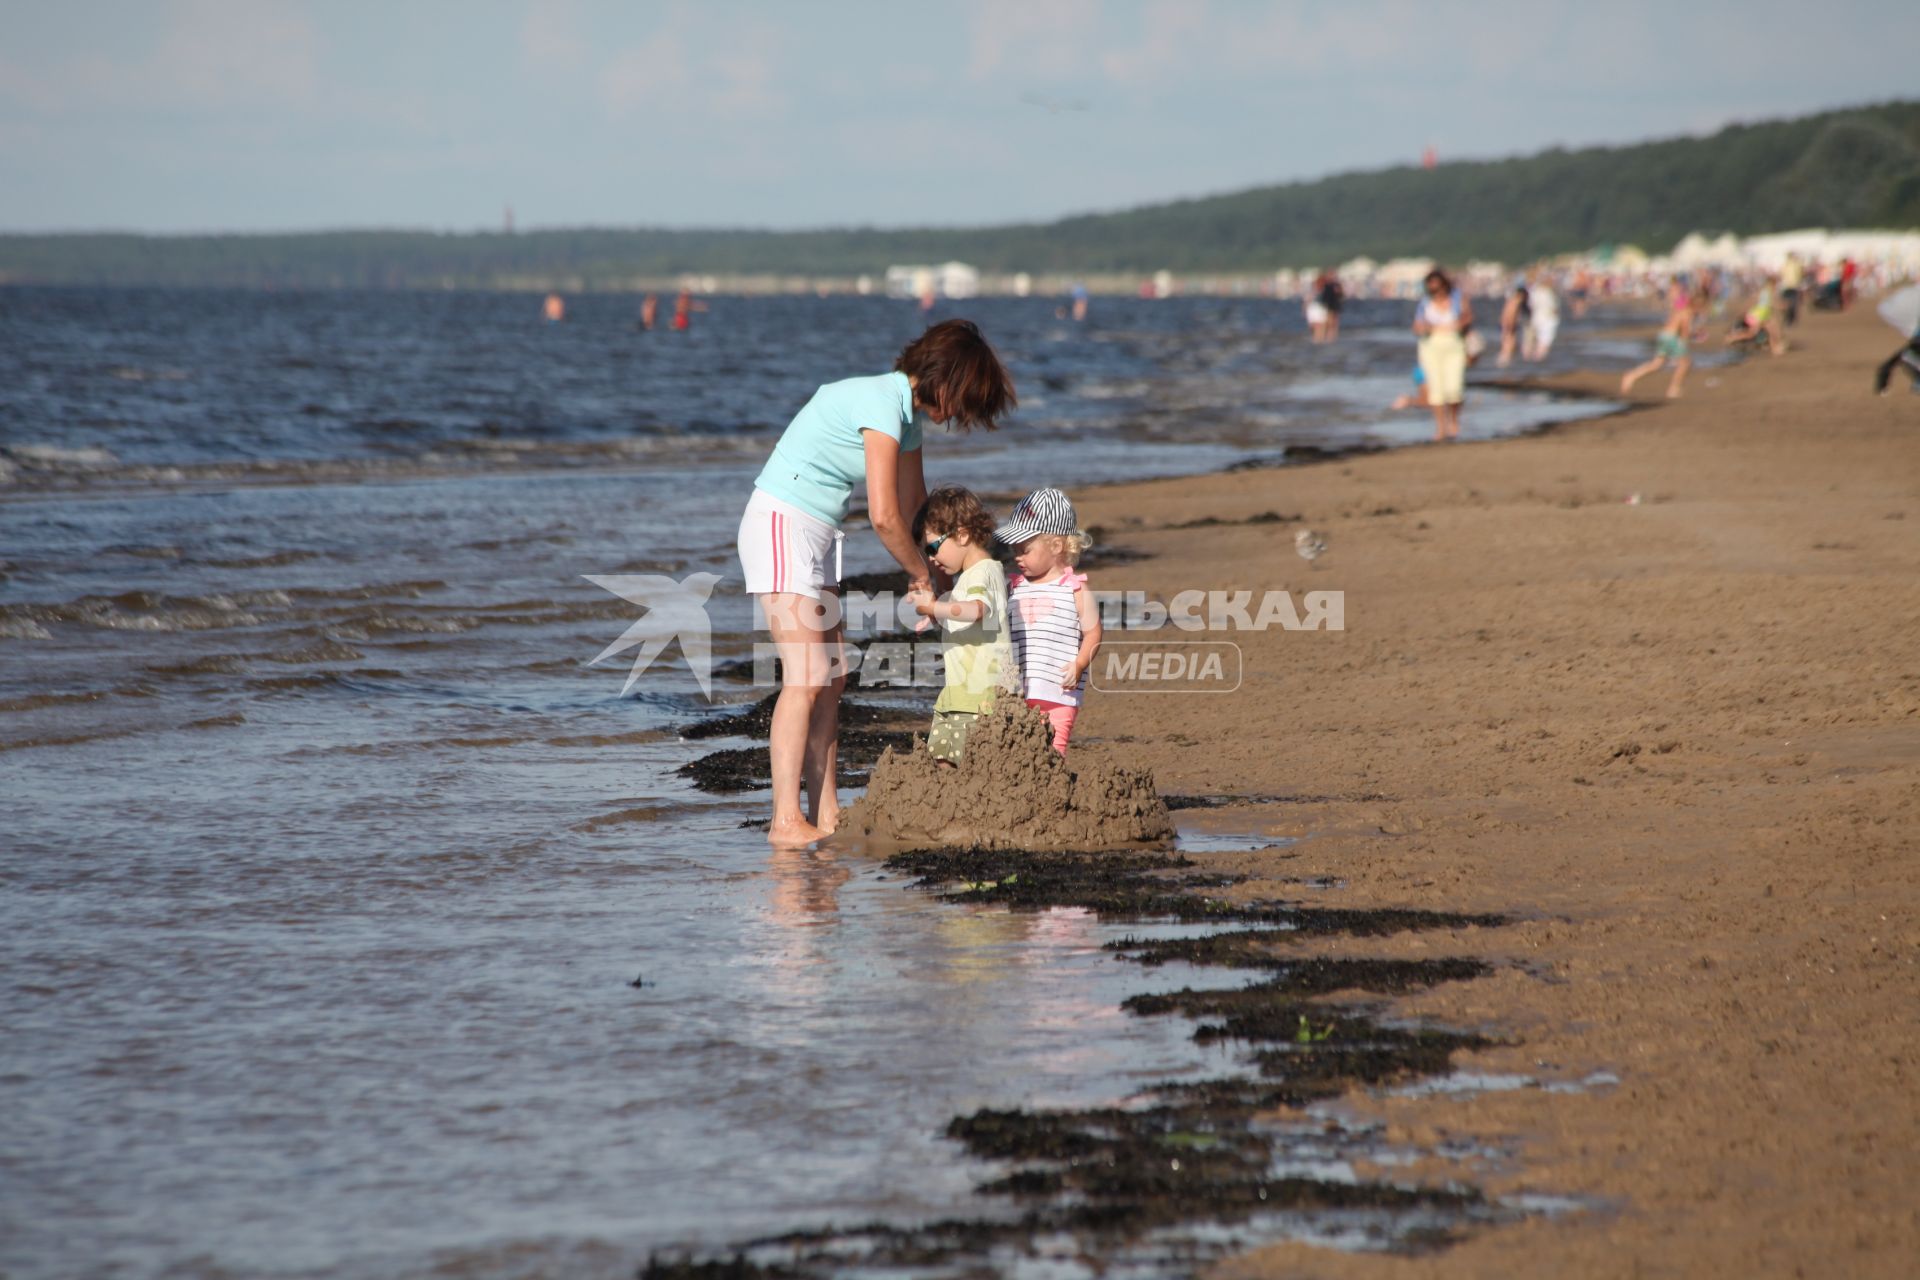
column 1466, row 311
column 886, row 490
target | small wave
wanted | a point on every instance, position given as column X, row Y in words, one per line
column 644, row 813
column 328, row 650
column 53, row 457
column 35, row 701
column 23, row 629
column 218, row 722
column 609, row 739
column 531, row 539
column 148, row 611
column 372, row 591
column 271, row 561
column 132, row 373
column 368, row 626
column 317, row 680
column 411, row 745
column 65, row 739
column 49, row 466
column 214, row 664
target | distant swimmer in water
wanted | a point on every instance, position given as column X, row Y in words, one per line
column 683, row 308
column 1079, row 303
column 554, row 309
column 649, row 311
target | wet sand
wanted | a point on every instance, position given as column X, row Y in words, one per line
column 1679, row 740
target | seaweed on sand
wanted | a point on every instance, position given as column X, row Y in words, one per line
column 1121, row 1183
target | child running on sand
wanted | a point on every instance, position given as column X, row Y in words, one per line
column 1670, row 345
column 1056, row 625
column 957, row 533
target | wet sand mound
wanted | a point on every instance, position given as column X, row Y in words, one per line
column 1013, row 792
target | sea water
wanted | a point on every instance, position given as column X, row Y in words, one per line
column 353, row 924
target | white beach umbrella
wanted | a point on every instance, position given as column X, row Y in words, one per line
column 1901, row 309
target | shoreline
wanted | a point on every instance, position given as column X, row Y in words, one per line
column 1675, row 739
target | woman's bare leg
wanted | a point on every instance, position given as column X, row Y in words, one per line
column 803, row 681
column 820, row 773
column 1680, row 368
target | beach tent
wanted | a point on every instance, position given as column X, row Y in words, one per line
column 1901, row 309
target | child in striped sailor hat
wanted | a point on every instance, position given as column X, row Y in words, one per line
column 1056, row 625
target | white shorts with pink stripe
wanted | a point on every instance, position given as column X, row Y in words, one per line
column 782, row 548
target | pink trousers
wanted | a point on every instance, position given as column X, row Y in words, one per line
column 1060, row 716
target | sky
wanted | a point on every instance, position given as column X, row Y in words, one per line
column 270, row 115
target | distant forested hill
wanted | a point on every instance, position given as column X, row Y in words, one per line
column 1852, row 168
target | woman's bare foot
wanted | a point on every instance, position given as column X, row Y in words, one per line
column 827, row 821
column 793, row 833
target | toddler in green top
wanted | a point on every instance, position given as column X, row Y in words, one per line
column 957, row 534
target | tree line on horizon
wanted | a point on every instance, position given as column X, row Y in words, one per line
column 1853, row 168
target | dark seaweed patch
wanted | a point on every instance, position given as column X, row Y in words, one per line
column 1136, row 886
column 756, row 720
column 1252, row 948
column 1122, row 1181
column 1301, row 977
column 739, row 769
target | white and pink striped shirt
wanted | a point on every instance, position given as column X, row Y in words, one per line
column 1046, row 634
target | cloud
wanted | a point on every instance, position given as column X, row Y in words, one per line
column 1172, row 34
column 210, row 54
column 726, row 69
column 225, row 52
column 1045, row 38
column 550, row 37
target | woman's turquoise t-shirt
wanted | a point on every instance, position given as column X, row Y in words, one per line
column 820, row 456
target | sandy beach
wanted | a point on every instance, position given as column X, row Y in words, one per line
column 1678, row 739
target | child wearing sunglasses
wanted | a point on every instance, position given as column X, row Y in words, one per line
column 956, row 533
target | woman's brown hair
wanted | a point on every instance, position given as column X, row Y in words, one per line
column 951, row 509
column 957, row 377
column 1441, row 276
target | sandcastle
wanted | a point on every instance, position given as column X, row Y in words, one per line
column 1013, row 792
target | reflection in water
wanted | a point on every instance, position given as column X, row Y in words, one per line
column 806, row 887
